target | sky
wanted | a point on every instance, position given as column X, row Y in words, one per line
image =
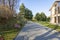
column 38, row 6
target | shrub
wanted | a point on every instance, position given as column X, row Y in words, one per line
column 7, row 20
column 5, row 13
column 21, row 20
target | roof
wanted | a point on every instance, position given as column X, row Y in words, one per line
column 54, row 4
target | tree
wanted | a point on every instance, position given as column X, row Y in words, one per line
column 11, row 3
column 28, row 14
column 37, row 17
column 25, row 12
column 8, row 15
column 41, row 16
column 22, row 9
column 21, row 17
column 48, row 18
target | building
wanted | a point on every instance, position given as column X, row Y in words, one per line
column 55, row 12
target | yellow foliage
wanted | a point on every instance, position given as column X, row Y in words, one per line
column 5, row 12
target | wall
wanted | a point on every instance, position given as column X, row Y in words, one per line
column 52, row 14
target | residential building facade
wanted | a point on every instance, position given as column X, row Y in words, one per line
column 55, row 13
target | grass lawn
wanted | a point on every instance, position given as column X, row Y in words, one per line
column 47, row 24
column 10, row 35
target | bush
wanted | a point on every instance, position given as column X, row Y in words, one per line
column 5, row 14
column 7, row 20
column 21, row 20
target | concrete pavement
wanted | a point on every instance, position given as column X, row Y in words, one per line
column 34, row 31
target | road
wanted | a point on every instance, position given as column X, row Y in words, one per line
column 35, row 31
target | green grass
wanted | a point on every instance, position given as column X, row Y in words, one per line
column 10, row 35
column 8, row 32
column 47, row 24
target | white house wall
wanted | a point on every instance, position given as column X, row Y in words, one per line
column 53, row 10
column 52, row 14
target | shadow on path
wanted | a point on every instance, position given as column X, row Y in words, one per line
column 31, row 27
column 46, row 36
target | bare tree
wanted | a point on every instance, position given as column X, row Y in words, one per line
column 11, row 3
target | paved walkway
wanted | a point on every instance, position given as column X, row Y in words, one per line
column 34, row 31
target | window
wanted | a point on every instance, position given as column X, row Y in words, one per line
column 55, row 19
column 58, row 19
column 58, row 9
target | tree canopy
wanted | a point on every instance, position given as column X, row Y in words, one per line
column 22, row 9
column 41, row 16
column 37, row 17
column 27, row 13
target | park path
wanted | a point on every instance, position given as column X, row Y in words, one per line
column 34, row 31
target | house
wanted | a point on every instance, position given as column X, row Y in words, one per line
column 55, row 12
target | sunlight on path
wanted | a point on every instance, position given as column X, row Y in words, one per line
column 34, row 31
